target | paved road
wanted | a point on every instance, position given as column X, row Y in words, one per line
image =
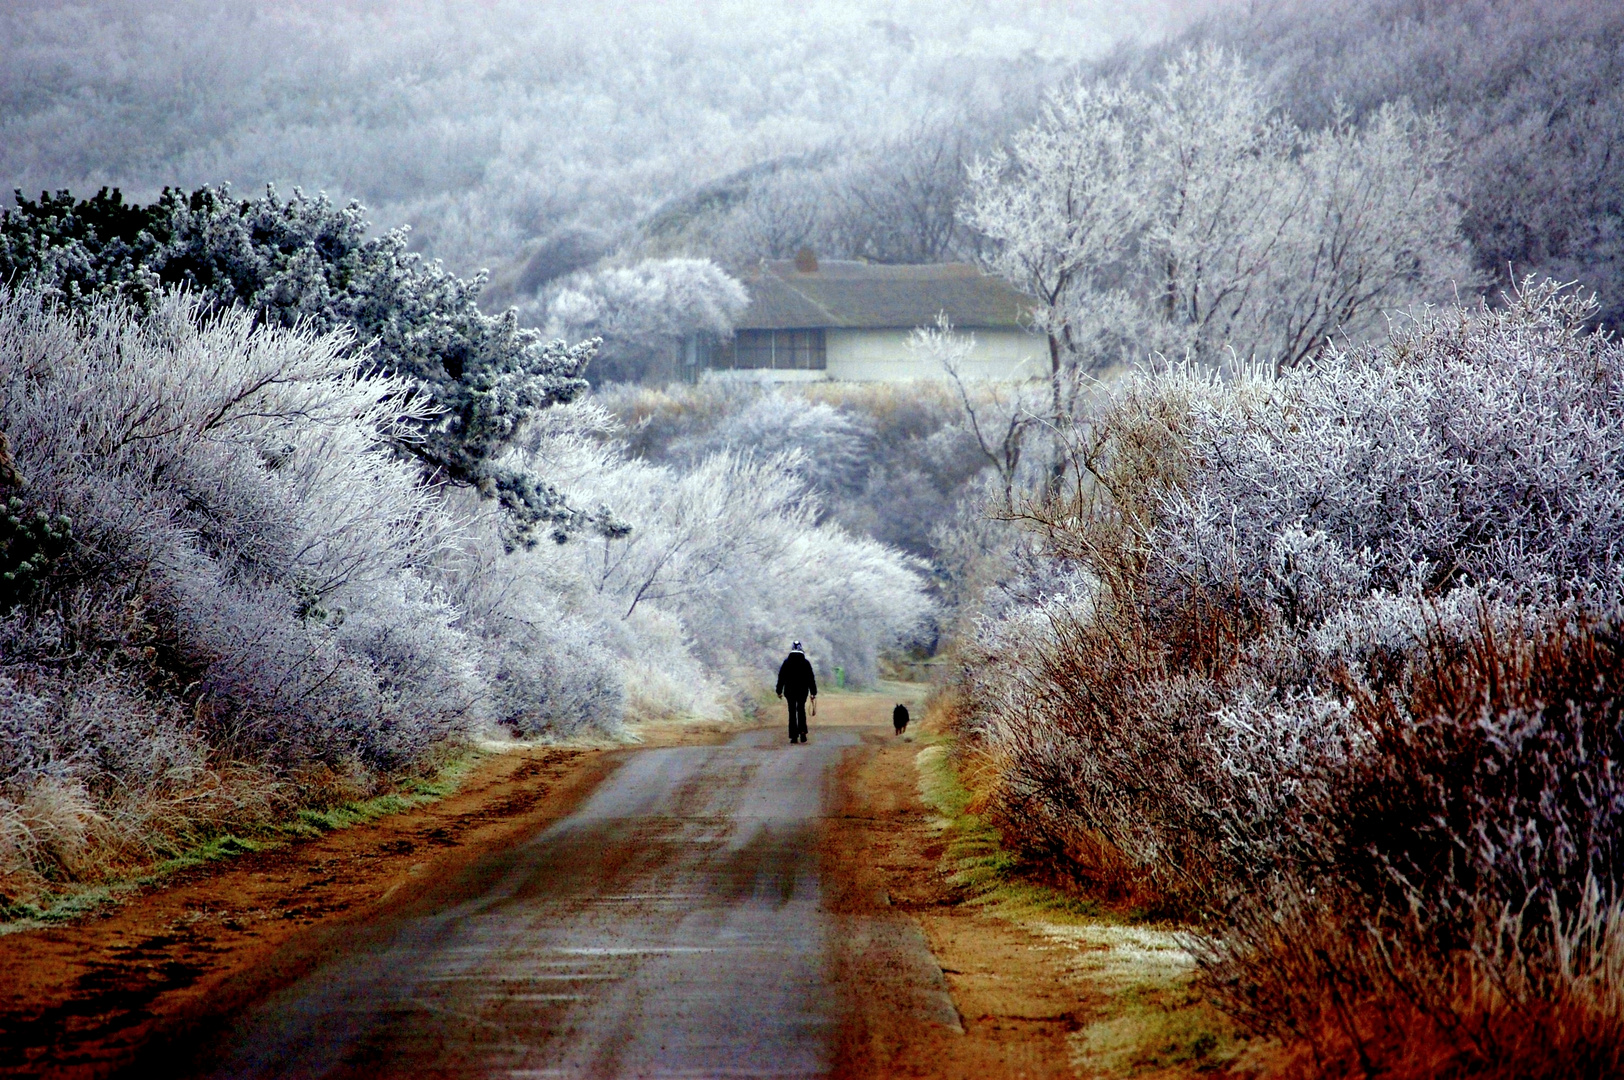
column 670, row 928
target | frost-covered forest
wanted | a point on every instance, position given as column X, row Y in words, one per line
column 1286, row 603
column 564, row 131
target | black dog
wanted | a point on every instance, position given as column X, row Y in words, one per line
column 899, row 718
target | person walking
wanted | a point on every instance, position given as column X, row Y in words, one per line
column 795, row 683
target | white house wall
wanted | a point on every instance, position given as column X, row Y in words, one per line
column 884, row 356
column 763, row 375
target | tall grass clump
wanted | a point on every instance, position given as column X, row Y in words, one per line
column 1329, row 661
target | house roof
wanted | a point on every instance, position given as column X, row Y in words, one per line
column 855, row 295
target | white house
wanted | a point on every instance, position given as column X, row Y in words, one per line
column 850, row 321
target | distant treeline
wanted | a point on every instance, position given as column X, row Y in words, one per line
column 491, row 126
column 1534, row 94
column 537, row 138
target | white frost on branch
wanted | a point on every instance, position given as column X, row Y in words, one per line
column 1194, row 220
column 642, row 311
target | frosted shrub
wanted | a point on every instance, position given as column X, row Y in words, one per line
column 733, row 547
column 557, row 680
column 1258, row 533
column 303, row 262
column 1448, row 891
column 890, row 462
column 641, row 313
column 96, row 726
column 550, row 656
column 664, row 677
column 834, row 445
column 687, row 611
column 1484, row 448
column 252, row 569
column 863, row 599
column 683, row 425
column 88, row 761
column 1307, row 676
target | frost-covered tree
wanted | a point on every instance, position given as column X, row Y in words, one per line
column 247, row 586
column 1000, row 417
column 641, row 313
column 1534, row 94
column 899, row 200
column 1061, row 209
column 728, row 554
column 305, row 262
column 1193, row 219
column 1272, row 240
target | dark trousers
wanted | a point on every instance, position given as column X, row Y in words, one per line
column 797, row 716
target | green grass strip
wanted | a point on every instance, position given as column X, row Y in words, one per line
column 975, row 853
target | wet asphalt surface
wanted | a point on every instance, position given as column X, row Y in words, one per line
column 671, row 927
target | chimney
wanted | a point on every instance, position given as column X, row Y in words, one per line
column 806, row 261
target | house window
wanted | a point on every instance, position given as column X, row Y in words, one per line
column 773, row 350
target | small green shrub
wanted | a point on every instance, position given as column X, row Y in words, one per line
column 29, row 544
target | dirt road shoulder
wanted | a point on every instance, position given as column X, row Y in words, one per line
column 1045, row 985
column 1017, row 1005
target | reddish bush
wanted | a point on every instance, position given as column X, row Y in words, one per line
column 1451, row 906
column 1329, row 663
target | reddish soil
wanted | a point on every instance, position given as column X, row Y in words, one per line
column 1015, row 1001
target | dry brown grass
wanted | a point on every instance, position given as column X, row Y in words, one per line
column 1452, row 908
column 1364, row 1007
column 63, row 837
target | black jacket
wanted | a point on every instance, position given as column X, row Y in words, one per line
column 795, row 676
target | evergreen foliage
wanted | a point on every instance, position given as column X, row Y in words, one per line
column 29, row 543
column 304, row 262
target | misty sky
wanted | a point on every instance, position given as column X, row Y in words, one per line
column 485, row 122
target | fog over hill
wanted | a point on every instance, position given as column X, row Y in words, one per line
column 488, row 124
